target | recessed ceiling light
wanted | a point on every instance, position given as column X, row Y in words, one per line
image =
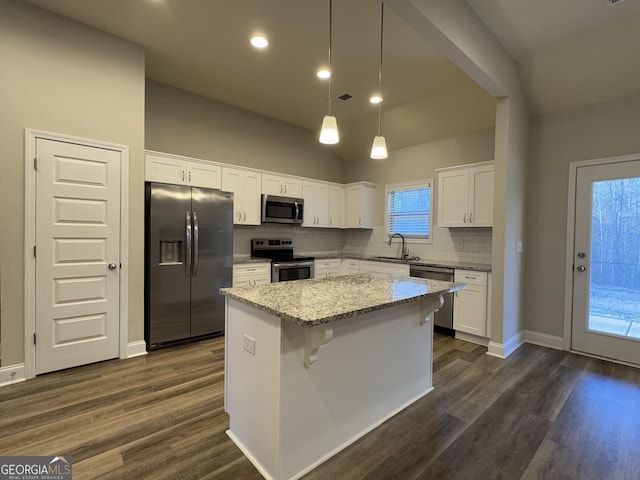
column 259, row 41
column 375, row 99
column 323, row 73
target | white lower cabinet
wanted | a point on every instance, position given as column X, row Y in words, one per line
column 326, row 268
column 349, row 266
column 470, row 304
column 251, row 274
column 384, row 267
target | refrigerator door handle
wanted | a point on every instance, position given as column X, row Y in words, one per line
column 187, row 259
column 196, row 244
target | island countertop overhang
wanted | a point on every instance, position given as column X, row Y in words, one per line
column 313, row 302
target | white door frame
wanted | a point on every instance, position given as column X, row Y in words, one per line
column 571, row 220
column 31, row 137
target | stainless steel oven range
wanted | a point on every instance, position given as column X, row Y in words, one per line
column 284, row 265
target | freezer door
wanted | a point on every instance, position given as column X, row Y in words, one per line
column 212, row 212
column 168, row 276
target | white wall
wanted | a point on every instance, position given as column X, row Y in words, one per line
column 603, row 130
column 63, row 77
column 186, row 124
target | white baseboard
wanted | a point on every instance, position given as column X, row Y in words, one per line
column 136, row 349
column 12, row 374
column 503, row 350
column 467, row 337
column 544, row 340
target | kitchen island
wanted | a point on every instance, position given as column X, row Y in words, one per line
column 313, row 365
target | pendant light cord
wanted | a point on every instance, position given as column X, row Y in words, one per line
column 330, row 34
column 380, row 70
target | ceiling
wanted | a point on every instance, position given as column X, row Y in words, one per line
column 202, row 46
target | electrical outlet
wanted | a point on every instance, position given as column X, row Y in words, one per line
column 249, row 344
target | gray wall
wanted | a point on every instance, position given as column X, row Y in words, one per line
column 62, row 77
column 598, row 131
column 186, row 124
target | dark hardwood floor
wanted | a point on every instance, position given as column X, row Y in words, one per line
column 540, row 414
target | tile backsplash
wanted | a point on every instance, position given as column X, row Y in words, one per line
column 456, row 244
column 306, row 241
column 471, row 245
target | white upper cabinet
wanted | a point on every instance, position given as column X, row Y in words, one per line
column 179, row 170
column 245, row 185
column 316, row 203
column 336, row 206
column 282, row 185
column 465, row 196
column 359, row 205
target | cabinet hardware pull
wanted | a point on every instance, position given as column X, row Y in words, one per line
column 183, row 175
column 465, row 218
column 471, row 217
column 189, row 175
column 245, row 216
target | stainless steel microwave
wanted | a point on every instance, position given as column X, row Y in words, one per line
column 276, row 209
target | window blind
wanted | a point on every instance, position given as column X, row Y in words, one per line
column 409, row 211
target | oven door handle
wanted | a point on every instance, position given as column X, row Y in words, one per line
column 293, row 264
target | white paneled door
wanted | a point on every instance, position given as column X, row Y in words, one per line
column 606, row 261
column 77, row 254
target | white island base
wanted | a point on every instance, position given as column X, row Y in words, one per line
column 288, row 418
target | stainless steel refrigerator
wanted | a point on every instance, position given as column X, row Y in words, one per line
column 188, row 258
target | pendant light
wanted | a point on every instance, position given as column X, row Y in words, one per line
column 379, row 147
column 329, row 131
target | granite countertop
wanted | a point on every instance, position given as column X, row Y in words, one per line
column 479, row 267
column 315, row 302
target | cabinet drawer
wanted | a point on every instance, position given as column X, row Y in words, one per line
column 253, row 269
column 470, row 276
column 331, row 263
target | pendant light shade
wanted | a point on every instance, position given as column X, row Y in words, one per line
column 329, row 132
column 379, row 148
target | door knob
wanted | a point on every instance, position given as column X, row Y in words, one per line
column 112, row 266
column 581, row 268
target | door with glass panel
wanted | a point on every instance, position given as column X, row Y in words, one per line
column 606, row 261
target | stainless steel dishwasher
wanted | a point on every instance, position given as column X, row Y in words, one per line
column 443, row 318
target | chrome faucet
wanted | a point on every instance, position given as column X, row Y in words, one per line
column 404, row 252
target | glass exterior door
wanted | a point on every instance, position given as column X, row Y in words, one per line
column 606, row 270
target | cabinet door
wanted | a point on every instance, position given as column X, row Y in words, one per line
column 292, row 187
column 272, row 184
column 281, row 185
column 353, row 208
column 359, row 206
column 308, row 194
column 336, row 206
column 321, row 205
column 453, row 198
column 251, row 187
column 481, row 196
column 316, row 204
column 251, row 275
column 231, row 182
column 158, row 168
column 206, row 175
column 469, row 310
